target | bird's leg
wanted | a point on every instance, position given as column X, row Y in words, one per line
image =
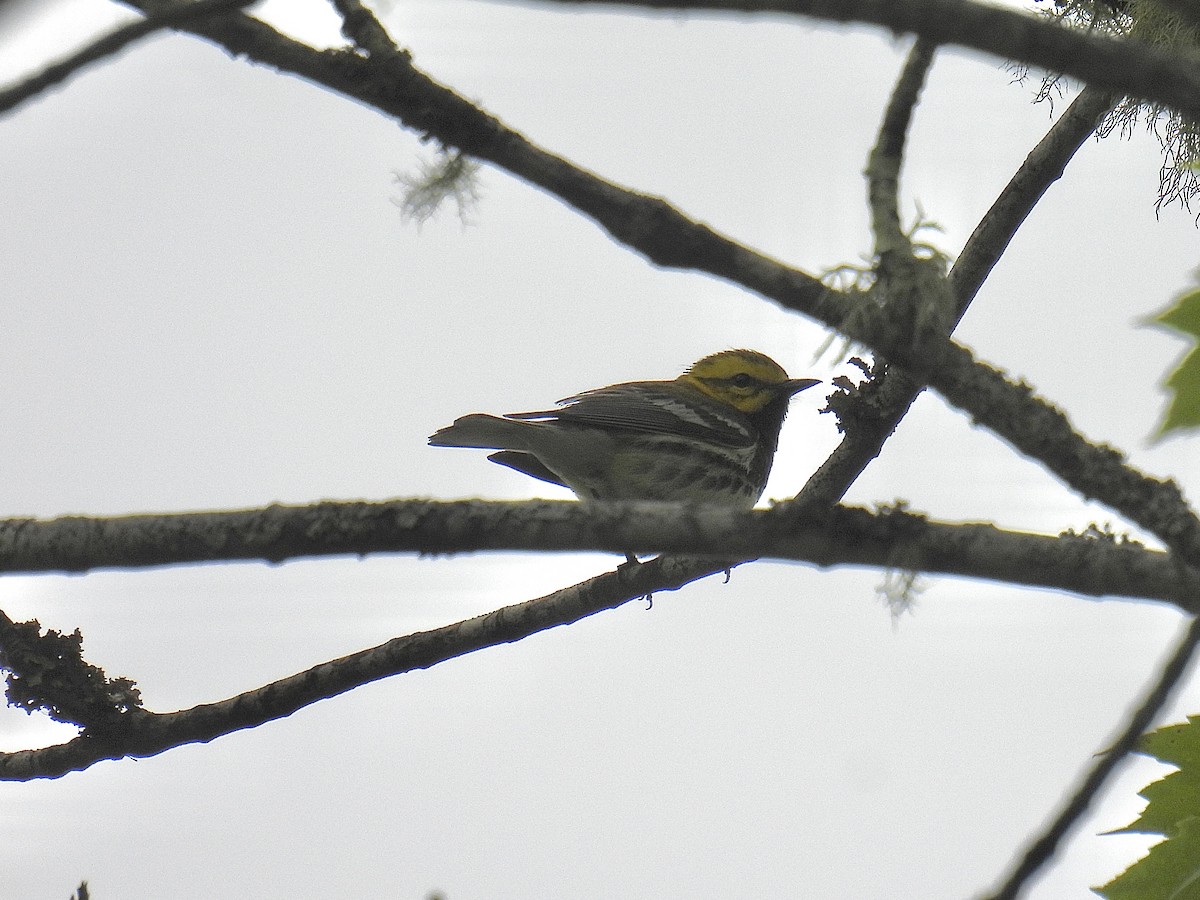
column 628, row 568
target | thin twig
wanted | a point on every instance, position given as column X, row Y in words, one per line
column 1042, row 850
column 111, row 44
column 894, row 392
column 360, row 25
column 148, row 734
column 910, row 289
column 886, row 157
column 1043, row 167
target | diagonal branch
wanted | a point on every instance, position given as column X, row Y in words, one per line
column 894, row 392
column 1042, row 850
column 1044, row 166
column 146, row 734
column 112, row 44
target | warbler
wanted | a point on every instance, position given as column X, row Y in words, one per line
column 707, row 436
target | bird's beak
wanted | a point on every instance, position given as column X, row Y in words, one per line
column 794, row 386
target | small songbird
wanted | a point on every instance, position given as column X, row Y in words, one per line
column 707, row 436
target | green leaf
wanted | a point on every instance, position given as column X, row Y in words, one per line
column 1175, row 745
column 1171, row 870
column 1183, row 409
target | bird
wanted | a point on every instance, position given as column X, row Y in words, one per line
column 708, row 436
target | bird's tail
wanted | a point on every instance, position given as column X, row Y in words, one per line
column 485, row 432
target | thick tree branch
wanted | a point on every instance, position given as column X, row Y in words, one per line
column 1089, row 565
column 1120, row 65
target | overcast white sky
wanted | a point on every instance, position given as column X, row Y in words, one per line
column 213, row 303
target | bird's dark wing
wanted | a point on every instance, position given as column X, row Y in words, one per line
column 663, row 408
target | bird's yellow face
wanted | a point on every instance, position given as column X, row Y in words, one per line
column 744, row 379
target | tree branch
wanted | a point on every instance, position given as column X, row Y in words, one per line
column 143, row 733
column 892, row 393
column 1090, row 564
column 887, row 156
column 1044, row 166
column 112, row 44
column 1044, row 847
column 1121, row 65
column 147, row 734
column 361, row 26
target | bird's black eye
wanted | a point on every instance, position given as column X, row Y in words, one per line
column 741, row 380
